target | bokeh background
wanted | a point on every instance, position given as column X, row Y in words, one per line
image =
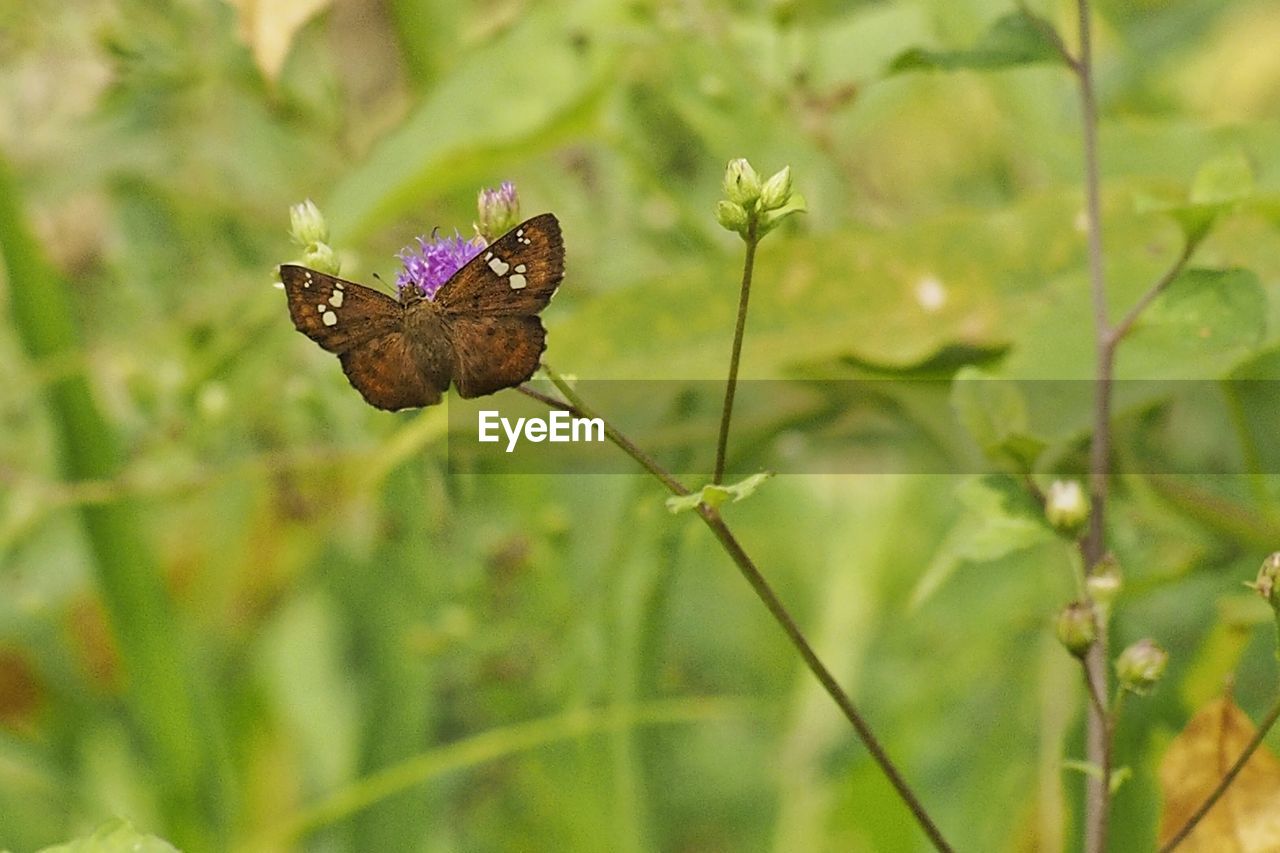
column 243, row 610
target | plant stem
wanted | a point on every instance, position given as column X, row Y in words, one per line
column 766, row 594
column 1093, row 546
column 731, row 386
column 1227, row 779
column 579, row 408
column 1126, row 324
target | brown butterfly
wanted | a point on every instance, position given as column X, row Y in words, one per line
column 481, row 331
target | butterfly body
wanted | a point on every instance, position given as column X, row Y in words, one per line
column 481, row 332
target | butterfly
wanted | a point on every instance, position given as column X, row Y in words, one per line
column 481, row 331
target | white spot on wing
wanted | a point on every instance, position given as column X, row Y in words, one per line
column 518, row 282
column 330, row 318
column 521, row 268
column 336, row 299
column 499, row 266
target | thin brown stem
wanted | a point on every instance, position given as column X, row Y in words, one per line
column 1098, row 707
column 1093, row 546
column 748, row 264
column 1227, row 779
column 1126, row 324
column 576, row 406
column 766, row 594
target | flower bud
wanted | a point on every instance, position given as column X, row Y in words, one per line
column 777, row 190
column 322, row 258
column 307, row 225
column 732, row 216
column 1104, row 584
column 1076, row 628
column 1066, row 508
column 1141, row 666
column 1267, row 584
column 771, row 219
column 741, row 183
column 499, row 211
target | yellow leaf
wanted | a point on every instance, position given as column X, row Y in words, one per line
column 267, row 27
column 1246, row 819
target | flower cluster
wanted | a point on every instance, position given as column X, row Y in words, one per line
column 434, row 262
column 754, row 208
column 499, row 211
column 309, row 230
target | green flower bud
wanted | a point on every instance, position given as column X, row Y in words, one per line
column 741, row 183
column 1076, row 628
column 307, row 225
column 1066, row 507
column 1141, row 666
column 776, row 191
column 322, row 258
column 732, row 216
column 1267, row 584
column 1104, row 584
column 771, row 219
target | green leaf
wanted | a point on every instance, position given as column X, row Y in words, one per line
column 1205, row 324
column 892, row 300
column 1223, row 180
column 1220, row 185
column 716, row 495
column 999, row 518
column 1019, row 38
column 994, row 411
column 531, row 87
column 114, row 836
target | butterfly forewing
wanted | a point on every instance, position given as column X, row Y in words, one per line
column 515, row 275
column 337, row 314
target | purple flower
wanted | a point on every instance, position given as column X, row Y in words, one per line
column 434, row 262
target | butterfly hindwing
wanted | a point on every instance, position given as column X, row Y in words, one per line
column 492, row 353
column 337, row 314
column 515, row 275
column 390, row 374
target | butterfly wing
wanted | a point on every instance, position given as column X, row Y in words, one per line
column 490, row 306
column 367, row 330
column 337, row 314
column 492, row 353
column 388, row 373
column 515, row 275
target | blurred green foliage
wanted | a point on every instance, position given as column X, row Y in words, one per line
column 299, row 627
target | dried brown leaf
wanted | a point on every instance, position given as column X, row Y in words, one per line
column 267, row 27
column 1247, row 817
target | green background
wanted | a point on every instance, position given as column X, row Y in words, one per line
column 243, row 610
